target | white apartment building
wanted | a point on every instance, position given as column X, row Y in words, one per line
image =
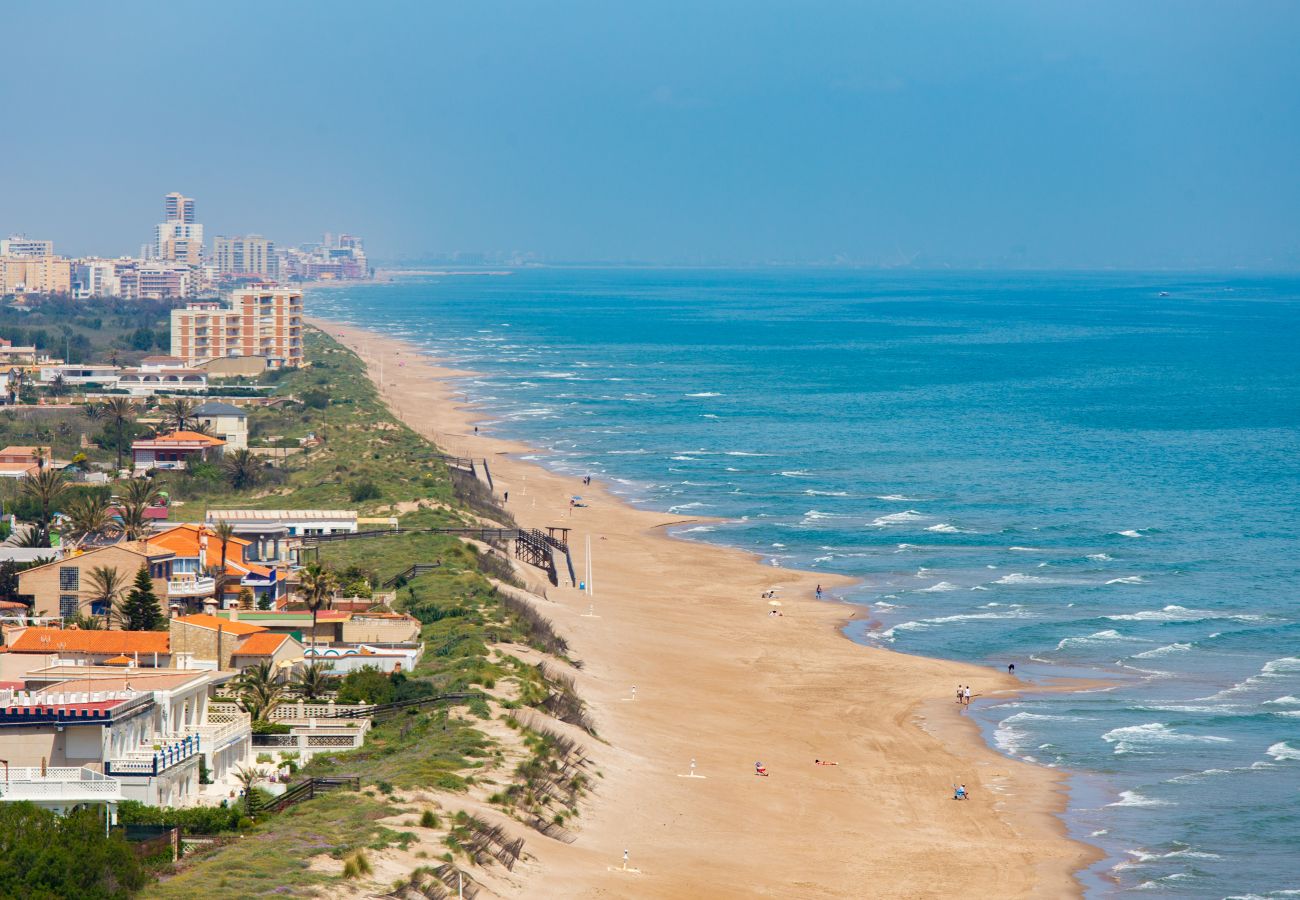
column 245, row 255
column 22, row 246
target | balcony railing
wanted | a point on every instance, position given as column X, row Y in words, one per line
column 217, row 735
column 62, row 784
column 191, row 587
column 147, row 761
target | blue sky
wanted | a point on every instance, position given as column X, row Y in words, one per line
column 1151, row 134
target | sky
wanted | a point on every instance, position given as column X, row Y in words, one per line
column 1018, row 134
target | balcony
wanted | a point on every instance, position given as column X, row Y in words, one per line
column 223, row 730
column 190, row 587
column 60, row 785
column 147, row 761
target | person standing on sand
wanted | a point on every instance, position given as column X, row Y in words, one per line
column 819, row 592
column 966, row 696
column 505, row 497
column 959, row 694
column 1011, row 668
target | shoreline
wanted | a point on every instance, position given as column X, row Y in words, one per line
column 685, row 620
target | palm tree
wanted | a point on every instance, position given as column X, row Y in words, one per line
column 242, row 468
column 59, row 385
column 260, row 689
column 45, row 487
column 312, row 682
column 139, row 495
column 89, row 518
column 107, row 585
column 118, row 412
column 223, row 531
column 178, row 413
column 248, row 777
column 317, row 586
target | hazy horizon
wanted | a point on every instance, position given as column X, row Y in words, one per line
column 1013, row 135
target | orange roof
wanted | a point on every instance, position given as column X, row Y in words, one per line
column 118, row 661
column 185, row 539
column 203, row 620
column 261, row 645
column 179, row 436
column 55, row 640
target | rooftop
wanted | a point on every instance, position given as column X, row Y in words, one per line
column 261, row 644
column 61, row 640
column 273, row 515
column 203, row 620
column 217, row 408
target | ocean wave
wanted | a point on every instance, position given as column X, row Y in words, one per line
column 795, row 473
column 704, row 394
column 697, row 529
column 1195, row 777
column 1100, row 557
column 743, row 453
column 901, row 518
column 899, row 498
column 685, row 506
column 1288, row 700
column 945, row 528
column 1021, row 578
column 1130, row 533
column 1133, row 798
column 1128, row 579
column 1099, row 637
column 939, row 588
column 636, row 452
column 814, row 493
column 1271, row 670
column 1170, row 613
column 683, row 458
column 1282, row 751
column 1025, row 549
column 1153, row 736
column 1162, row 651
column 1182, row 852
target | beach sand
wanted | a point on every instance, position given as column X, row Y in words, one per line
column 719, row 680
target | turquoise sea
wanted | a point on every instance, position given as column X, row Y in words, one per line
column 1078, row 473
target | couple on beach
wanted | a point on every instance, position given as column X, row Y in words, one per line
column 963, row 695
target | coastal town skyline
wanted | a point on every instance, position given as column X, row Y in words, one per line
column 1012, row 136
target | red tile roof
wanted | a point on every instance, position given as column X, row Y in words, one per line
column 203, row 620
column 261, row 645
column 56, row 640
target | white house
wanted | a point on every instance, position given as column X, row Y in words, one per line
column 230, row 423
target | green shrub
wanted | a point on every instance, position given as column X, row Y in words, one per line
column 428, row 819
column 364, row 490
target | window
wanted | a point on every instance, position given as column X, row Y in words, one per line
column 69, row 578
column 68, row 604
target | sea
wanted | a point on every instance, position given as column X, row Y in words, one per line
column 1084, row 474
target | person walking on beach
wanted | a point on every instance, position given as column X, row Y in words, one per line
column 505, row 497
column 959, row 694
column 966, row 696
column 1011, row 668
column 819, row 592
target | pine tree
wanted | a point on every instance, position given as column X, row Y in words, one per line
column 141, row 612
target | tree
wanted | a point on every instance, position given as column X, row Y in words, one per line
column 317, row 586
column 89, row 518
column 248, row 776
column 260, row 689
column 45, row 487
column 59, row 386
column 140, row 610
column 178, row 413
column 246, row 598
column 242, row 469
column 9, row 580
column 106, row 585
column 139, row 495
column 46, row 855
column 224, row 531
column 119, row 413
column 312, row 681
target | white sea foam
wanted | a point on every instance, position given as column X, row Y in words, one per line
column 795, row 473
column 1133, row 798
column 898, row 498
column 705, row 394
column 1025, row 549
column 812, row 493
column 1099, row 637
column 1288, row 700
column 1128, row 579
column 1162, row 651
column 1100, row 557
column 1284, row 751
column 1154, row 736
column 1021, row 578
column 1272, row 670
column 1131, row 533
column 1195, row 777
column 1170, row 613
column 636, row 452
column 940, row 588
column 945, row 528
column 685, row 506
column 743, row 453
column 910, row 515
column 1184, row 852
column 697, row 529
column 683, row 458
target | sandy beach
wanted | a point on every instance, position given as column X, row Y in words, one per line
column 721, row 681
